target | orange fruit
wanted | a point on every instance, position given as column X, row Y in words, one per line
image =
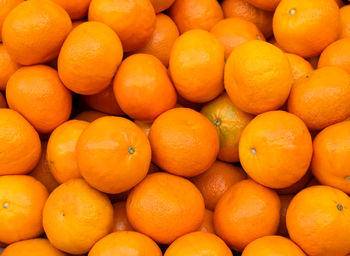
column 214, row 182
column 322, row 98
column 229, row 122
column 298, row 30
column 161, row 5
column 22, row 200
column 39, row 84
column 330, row 162
column 241, row 216
column 285, row 201
column 145, row 126
column 195, row 14
column 34, row 31
column 134, row 21
column 143, row 88
column 19, row 144
column 77, row 9
column 89, row 115
column 235, row 31
column 3, row 103
column 258, row 77
column 7, row 66
column 120, row 162
column 272, row 245
column 157, row 204
column 196, row 66
column 126, row 243
column 183, row 142
column 121, row 222
column 6, row 7
column 297, row 186
column 300, row 66
column 207, row 224
column 268, row 5
column 198, row 243
column 162, row 39
column 76, row 216
column 318, row 221
column 344, row 21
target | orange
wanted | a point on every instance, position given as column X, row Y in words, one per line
column 161, row 5
column 32, row 247
column 321, row 98
column 144, row 125
column 198, row 243
column 297, row 186
column 76, row 216
column 165, row 207
column 76, row 9
column 143, row 88
column 113, row 154
column 268, row 5
column 235, row 31
column 306, row 27
column 330, row 163
column 229, row 122
column 89, row 115
column 40, row 85
column 7, row 66
column 345, row 22
column 183, row 142
column 214, row 182
column 241, row 216
column 121, row 222
column 3, row 103
column 300, row 66
column 196, row 66
column 19, row 144
column 6, row 7
column 207, row 224
column 61, row 150
column 22, row 199
column 318, row 221
column 258, row 77
column 272, row 245
column 285, row 201
column 34, row 31
column 126, row 243
column 162, row 39
column 195, row 14
column 134, row 21
column 96, row 68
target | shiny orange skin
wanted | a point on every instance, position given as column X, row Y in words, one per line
column 143, row 87
column 318, row 221
column 214, row 182
column 285, row 201
column 208, row 223
column 184, row 142
column 268, row 5
column 161, row 5
column 89, row 115
column 120, row 220
column 165, row 207
column 195, row 14
column 300, row 66
column 22, row 199
column 76, row 216
column 126, row 243
column 32, row 247
column 144, row 125
column 198, row 243
column 6, row 7
column 240, row 216
column 297, row 186
column 3, row 103
column 7, row 66
column 19, row 144
column 113, row 154
column 39, row 84
column 196, row 66
column 322, row 98
column 134, row 21
column 34, row 31
column 344, row 21
column 258, row 77
column 76, row 9
column 275, row 149
column 305, row 28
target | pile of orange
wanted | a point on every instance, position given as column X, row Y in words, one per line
column 174, row 127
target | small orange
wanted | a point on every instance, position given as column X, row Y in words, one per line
column 76, row 9
column 144, row 125
column 32, row 247
column 208, row 223
column 345, row 21
column 258, row 77
column 285, row 201
column 76, row 216
column 7, row 66
column 241, row 216
column 183, row 142
column 89, row 115
column 161, row 5
column 120, row 220
column 22, row 199
column 3, row 103
column 196, row 66
column 134, row 20
column 198, row 243
column 6, row 7
column 34, row 31
column 214, row 182
column 300, row 66
column 297, row 186
column 268, row 5
column 165, row 207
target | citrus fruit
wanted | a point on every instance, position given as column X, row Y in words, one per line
column 6, row 6
column 300, row 66
column 120, row 221
column 344, row 21
column 89, row 115
column 76, row 9
column 7, row 67
column 208, row 223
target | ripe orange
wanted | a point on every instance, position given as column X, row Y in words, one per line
column 76, row 9
column 345, row 21
column 165, row 207
column 183, row 142
column 134, row 21
column 285, row 201
column 22, row 200
column 6, row 7
column 3, row 103
column 318, row 221
column 89, row 115
column 145, row 126
column 214, row 182
column 300, row 66
column 241, row 216
column 306, row 27
column 208, row 223
column 297, row 186
column 32, row 247
column 258, row 77
column 196, row 66
column 268, row 5
column 161, row 5
column 38, row 94
column 7, row 66
column 143, row 88
column 34, row 31
column 120, row 220
column 76, row 216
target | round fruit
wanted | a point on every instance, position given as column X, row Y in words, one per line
column 120, row 220
column 208, row 223
column 37, row 247
column 6, row 7
column 268, row 5
column 344, row 22
column 89, row 115
column 161, row 5
column 76, row 9
column 285, row 201
column 300, row 66
column 7, row 66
